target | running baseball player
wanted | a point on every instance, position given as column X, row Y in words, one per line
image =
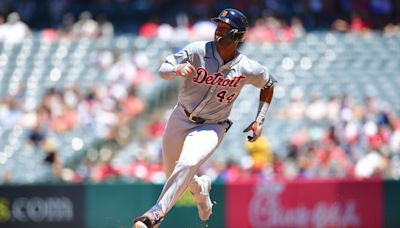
column 214, row 73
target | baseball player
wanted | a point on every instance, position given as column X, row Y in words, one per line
column 213, row 75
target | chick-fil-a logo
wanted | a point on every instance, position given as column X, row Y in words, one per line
column 266, row 211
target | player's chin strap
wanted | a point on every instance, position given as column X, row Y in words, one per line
column 257, row 125
column 230, row 37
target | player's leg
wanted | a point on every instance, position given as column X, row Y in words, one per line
column 172, row 146
column 172, row 143
column 198, row 146
column 173, row 139
column 200, row 187
column 174, row 135
column 151, row 219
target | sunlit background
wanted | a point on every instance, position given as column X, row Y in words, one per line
column 82, row 107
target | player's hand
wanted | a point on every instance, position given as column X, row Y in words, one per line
column 184, row 69
column 256, row 128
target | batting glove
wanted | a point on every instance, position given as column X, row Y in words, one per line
column 257, row 128
column 184, row 69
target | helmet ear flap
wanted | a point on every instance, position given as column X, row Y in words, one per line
column 235, row 35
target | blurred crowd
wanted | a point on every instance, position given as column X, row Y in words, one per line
column 270, row 19
column 128, row 15
column 103, row 110
column 342, row 139
column 266, row 29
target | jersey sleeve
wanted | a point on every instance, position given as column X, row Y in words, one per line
column 184, row 55
column 259, row 75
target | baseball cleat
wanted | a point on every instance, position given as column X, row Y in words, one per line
column 150, row 219
column 204, row 204
column 139, row 224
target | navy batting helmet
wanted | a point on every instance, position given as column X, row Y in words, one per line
column 236, row 19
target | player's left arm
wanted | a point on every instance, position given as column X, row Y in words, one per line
column 265, row 99
column 257, row 125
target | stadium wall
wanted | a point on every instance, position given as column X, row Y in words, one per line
column 391, row 199
column 328, row 203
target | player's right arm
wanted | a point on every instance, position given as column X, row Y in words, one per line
column 178, row 64
column 169, row 71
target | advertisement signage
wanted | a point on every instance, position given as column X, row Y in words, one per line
column 41, row 206
column 118, row 204
column 305, row 204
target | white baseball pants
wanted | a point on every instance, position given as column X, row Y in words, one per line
column 186, row 146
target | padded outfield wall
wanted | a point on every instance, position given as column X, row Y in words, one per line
column 328, row 203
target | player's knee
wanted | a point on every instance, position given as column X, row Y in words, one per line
column 187, row 165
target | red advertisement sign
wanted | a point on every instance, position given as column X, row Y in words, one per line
column 305, row 204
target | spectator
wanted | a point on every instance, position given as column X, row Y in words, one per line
column 104, row 59
column 297, row 27
column 260, row 153
column 259, row 33
column 66, row 27
column 122, row 70
column 340, row 25
column 182, row 31
column 286, row 34
column 155, row 128
column 316, row 110
column 2, row 28
column 37, row 136
column 132, row 105
column 10, row 112
column 357, row 25
column 332, row 108
column 65, row 121
column 296, row 108
column 83, row 171
column 16, row 31
column 143, row 76
column 86, row 27
column 149, row 29
column 106, row 28
column 391, row 29
column 165, row 32
column 394, row 143
column 272, row 24
column 373, row 164
column 104, row 171
column 232, row 173
column 52, row 159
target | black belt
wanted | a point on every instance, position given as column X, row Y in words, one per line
column 194, row 119
column 199, row 120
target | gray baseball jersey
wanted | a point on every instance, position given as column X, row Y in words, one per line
column 210, row 91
